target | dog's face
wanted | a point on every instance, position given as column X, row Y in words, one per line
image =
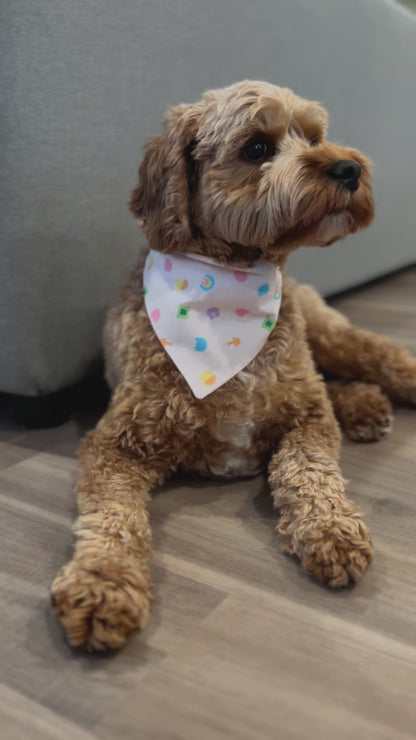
column 248, row 172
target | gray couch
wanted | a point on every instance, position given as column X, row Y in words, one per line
column 84, row 83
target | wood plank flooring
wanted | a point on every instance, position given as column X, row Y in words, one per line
column 242, row 644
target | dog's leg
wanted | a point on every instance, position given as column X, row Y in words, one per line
column 355, row 354
column 103, row 593
column 362, row 409
column 318, row 523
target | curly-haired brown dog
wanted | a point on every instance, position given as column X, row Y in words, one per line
column 243, row 174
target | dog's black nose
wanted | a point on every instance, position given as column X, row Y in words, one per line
column 346, row 172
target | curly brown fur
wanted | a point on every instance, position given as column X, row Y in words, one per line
column 362, row 409
column 355, row 354
column 198, row 193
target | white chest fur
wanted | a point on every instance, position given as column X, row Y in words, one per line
column 235, row 462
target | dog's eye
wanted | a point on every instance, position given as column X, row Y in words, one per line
column 257, row 150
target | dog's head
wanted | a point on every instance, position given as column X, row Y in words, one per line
column 248, row 172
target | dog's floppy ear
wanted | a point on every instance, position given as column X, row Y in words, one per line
column 161, row 200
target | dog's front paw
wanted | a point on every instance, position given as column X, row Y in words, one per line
column 99, row 600
column 336, row 549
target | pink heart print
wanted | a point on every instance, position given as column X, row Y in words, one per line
column 155, row 315
column 240, row 276
column 242, row 312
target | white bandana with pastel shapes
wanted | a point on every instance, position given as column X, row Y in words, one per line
column 211, row 319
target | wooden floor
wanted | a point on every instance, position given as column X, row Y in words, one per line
column 242, row 644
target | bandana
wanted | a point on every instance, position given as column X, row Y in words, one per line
column 211, row 319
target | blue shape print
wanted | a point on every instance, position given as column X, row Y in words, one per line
column 200, row 344
column 263, row 290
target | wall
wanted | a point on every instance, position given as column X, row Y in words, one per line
column 86, row 82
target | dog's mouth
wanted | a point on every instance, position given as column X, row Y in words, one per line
column 330, row 226
column 324, row 231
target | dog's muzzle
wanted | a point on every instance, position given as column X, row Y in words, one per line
column 347, row 173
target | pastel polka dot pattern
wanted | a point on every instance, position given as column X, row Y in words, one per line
column 208, row 377
column 207, row 282
column 200, row 344
column 269, row 323
column 181, row 284
column 263, row 290
column 211, row 319
column 213, row 313
column 240, row 275
column 183, row 311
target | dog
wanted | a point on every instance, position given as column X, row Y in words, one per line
column 231, row 187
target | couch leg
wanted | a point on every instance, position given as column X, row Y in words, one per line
column 90, row 396
column 43, row 411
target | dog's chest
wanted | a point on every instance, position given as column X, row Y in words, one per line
column 239, row 458
column 235, row 461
